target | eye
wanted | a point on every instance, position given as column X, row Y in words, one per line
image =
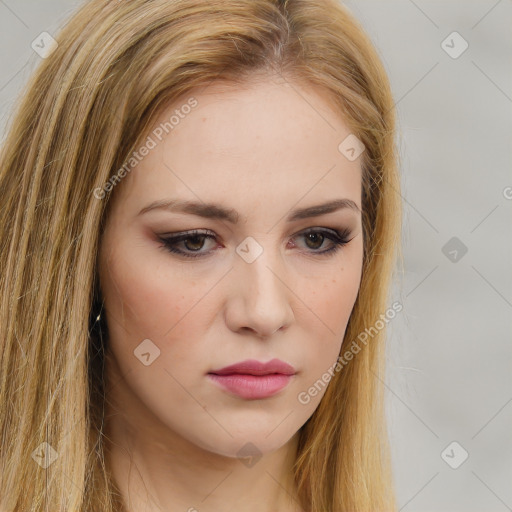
column 193, row 241
column 314, row 239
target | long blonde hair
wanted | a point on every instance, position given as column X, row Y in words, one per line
column 84, row 111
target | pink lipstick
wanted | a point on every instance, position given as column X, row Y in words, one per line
column 252, row 379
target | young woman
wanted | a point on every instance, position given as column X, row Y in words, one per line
column 200, row 222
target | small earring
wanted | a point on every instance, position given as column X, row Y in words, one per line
column 96, row 321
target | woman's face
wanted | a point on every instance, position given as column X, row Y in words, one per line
column 251, row 285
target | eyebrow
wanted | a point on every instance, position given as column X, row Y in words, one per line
column 217, row 211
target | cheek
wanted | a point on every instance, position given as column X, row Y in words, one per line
column 332, row 299
column 147, row 300
column 331, row 303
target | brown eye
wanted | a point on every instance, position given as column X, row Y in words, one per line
column 197, row 242
column 192, row 243
column 316, row 240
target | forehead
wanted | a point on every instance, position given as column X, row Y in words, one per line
column 272, row 140
column 269, row 114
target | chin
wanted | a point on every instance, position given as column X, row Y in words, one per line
column 244, row 445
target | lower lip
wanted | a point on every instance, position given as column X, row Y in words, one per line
column 252, row 387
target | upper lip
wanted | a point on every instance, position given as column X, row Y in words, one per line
column 253, row 367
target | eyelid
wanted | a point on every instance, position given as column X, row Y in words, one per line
column 341, row 232
column 338, row 237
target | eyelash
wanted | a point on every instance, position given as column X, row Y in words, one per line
column 339, row 239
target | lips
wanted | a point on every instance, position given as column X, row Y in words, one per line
column 253, row 380
column 253, row 367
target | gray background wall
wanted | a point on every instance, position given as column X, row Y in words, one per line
column 450, row 351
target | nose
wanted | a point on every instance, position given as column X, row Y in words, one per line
column 260, row 298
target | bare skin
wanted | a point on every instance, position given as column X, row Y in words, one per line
column 262, row 150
